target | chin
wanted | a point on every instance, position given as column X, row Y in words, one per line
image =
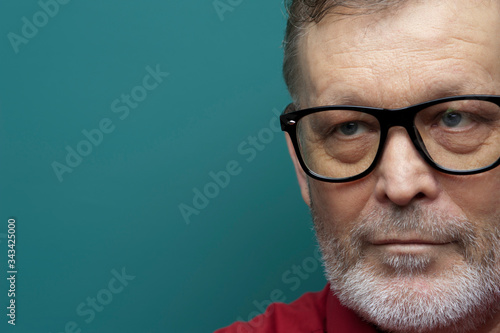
column 414, row 299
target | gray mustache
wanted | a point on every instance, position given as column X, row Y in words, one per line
column 414, row 222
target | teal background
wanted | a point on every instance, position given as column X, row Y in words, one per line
column 119, row 208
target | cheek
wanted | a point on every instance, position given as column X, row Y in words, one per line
column 340, row 204
column 478, row 196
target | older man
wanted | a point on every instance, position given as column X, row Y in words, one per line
column 395, row 137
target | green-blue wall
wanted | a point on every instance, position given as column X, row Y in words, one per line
column 119, row 207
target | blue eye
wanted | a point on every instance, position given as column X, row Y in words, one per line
column 349, row 128
column 453, row 118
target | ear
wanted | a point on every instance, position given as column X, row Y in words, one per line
column 301, row 175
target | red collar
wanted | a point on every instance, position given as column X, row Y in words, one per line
column 342, row 319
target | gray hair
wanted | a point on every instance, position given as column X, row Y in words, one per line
column 301, row 13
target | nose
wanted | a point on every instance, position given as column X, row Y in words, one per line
column 402, row 174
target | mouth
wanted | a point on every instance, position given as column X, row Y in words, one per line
column 403, row 242
column 414, row 246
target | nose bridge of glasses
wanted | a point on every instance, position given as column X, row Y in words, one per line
column 404, row 118
column 397, row 117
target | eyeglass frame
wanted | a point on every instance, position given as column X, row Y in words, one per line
column 387, row 118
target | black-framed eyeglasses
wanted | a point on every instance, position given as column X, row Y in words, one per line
column 457, row 135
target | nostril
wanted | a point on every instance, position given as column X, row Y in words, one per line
column 419, row 195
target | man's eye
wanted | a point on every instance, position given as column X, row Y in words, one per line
column 453, row 118
column 351, row 128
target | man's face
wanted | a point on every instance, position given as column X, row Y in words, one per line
column 408, row 247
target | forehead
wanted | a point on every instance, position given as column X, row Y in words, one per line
column 422, row 50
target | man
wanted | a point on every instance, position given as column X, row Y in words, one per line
column 405, row 203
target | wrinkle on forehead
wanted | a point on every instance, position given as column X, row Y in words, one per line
column 447, row 43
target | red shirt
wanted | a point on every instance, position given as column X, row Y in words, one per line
column 318, row 312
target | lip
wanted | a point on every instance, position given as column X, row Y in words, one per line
column 408, row 242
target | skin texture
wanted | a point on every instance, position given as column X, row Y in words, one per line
column 417, row 52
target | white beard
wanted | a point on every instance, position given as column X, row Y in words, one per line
column 405, row 299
